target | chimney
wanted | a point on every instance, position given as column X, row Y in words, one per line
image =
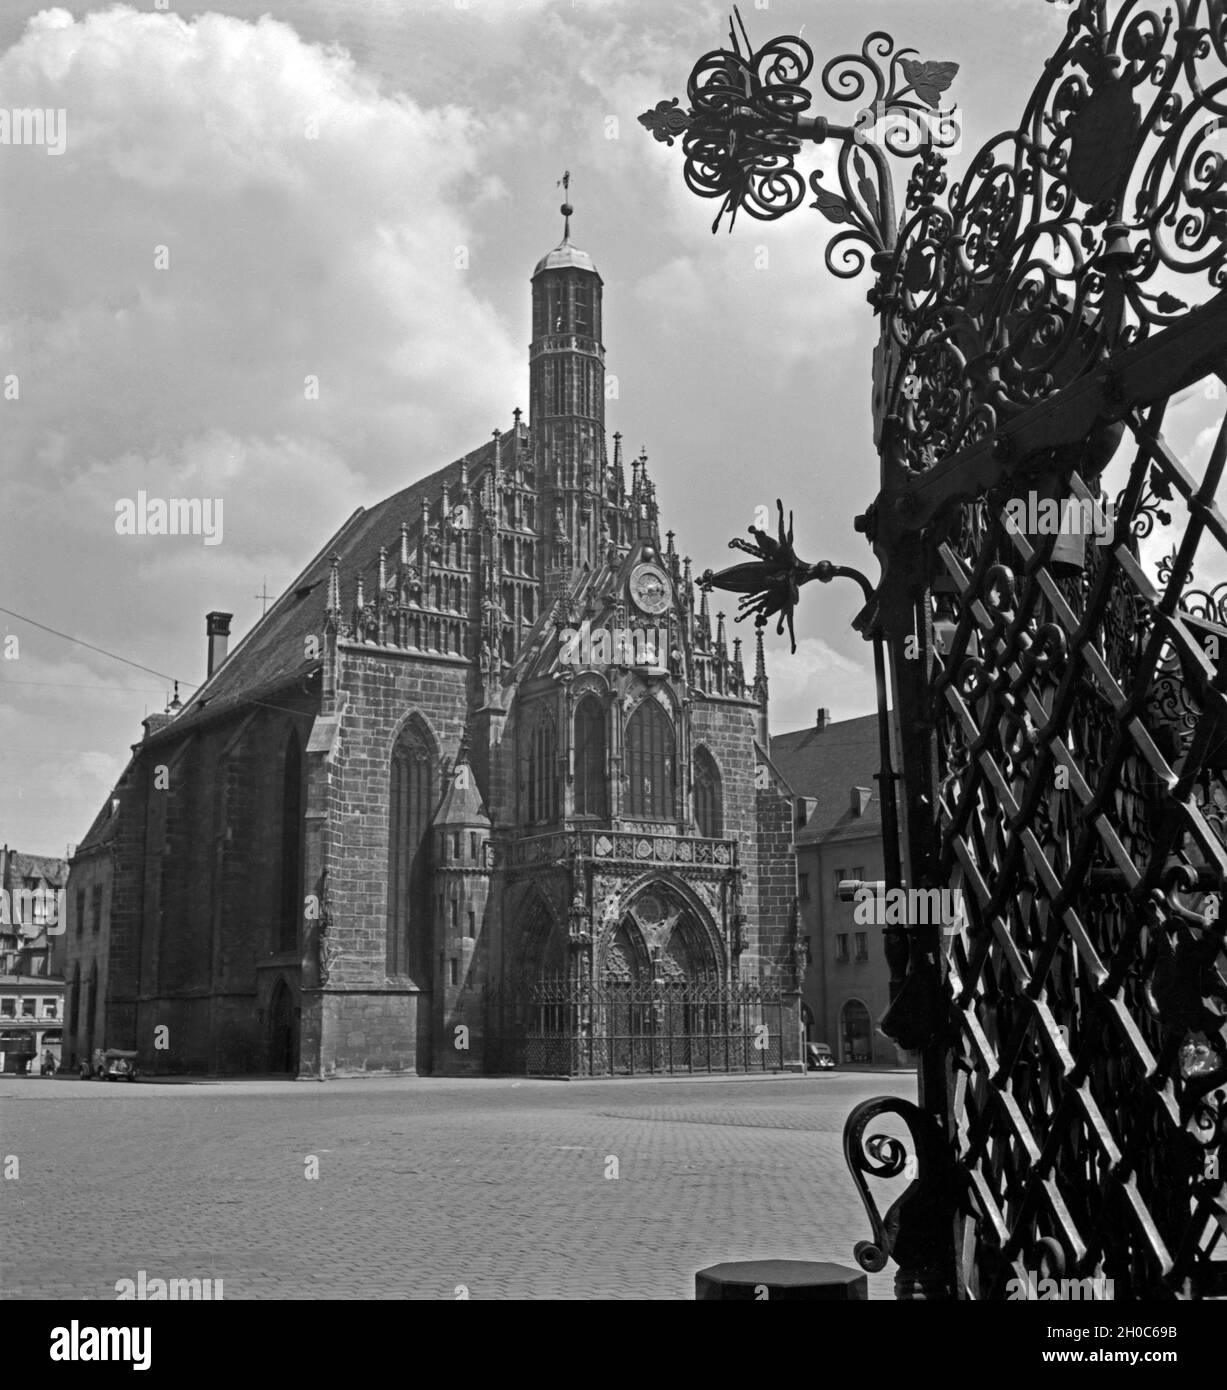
column 824, row 718
column 217, row 628
column 860, row 800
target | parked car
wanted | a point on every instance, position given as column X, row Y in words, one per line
column 818, row 1057
column 108, row 1063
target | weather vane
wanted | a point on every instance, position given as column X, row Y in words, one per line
column 566, row 208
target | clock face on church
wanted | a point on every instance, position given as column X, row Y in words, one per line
column 649, row 588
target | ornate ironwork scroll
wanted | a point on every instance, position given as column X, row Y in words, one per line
column 1066, row 692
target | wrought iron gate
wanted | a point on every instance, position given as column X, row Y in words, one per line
column 565, row 1028
column 1063, row 677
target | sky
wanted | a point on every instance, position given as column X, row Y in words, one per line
column 356, row 191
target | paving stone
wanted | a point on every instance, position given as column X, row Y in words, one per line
column 426, row 1184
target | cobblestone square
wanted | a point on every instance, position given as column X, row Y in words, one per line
column 426, row 1187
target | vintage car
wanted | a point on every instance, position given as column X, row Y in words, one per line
column 109, row 1063
column 818, row 1057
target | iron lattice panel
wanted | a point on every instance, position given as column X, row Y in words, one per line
column 1082, row 738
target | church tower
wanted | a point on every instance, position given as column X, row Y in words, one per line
column 567, row 406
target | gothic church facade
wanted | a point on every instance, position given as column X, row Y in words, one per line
column 489, row 738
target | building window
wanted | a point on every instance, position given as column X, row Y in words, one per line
column 455, row 970
column 412, row 798
column 649, row 762
column 859, row 873
column 840, row 875
column 708, row 798
column 95, row 907
column 539, row 780
column 841, row 947
column 39, row 900
column 8, row 1008
column 803, row 887
column 29, row 1007
column 473, row 845
column 80, row 910
column 862, row 945
column 591, row 782
column 291, row 845
column 49, row 1008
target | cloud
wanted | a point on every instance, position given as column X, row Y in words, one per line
column 238, row 211
column 815, row 677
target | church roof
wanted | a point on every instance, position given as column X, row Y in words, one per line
column 563, row 257
column 273, row 653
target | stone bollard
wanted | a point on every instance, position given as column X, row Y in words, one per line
column 767, row 1280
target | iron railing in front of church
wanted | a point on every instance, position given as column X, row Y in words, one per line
column 642, row 1028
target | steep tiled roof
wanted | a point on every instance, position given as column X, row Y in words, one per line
column 825, row 764
column 41, row 867
column 273, row 653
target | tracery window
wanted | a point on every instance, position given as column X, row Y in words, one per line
column 650, row 762
column 291, row 845
column 591, row 784
column 539, row 772
column 708, row 798
column 412, row 798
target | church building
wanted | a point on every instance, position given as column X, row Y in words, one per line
column 484, row 790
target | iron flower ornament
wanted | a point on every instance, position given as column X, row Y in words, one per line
column 770, row 584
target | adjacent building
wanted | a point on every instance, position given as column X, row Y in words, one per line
column 32, row 919
column 831, row 767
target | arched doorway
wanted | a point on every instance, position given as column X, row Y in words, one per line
column 282, row 1031
column 624, row 1025
column 856, row 1032
column 534, row 1017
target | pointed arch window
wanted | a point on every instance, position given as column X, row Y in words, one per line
column 591, row 784
column 412, row 799
column 650, row 762
column 708, row 797
column 291, row 845
column 539, row 772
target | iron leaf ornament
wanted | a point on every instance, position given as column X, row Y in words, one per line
column 747, row 120
column 1063, row 240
